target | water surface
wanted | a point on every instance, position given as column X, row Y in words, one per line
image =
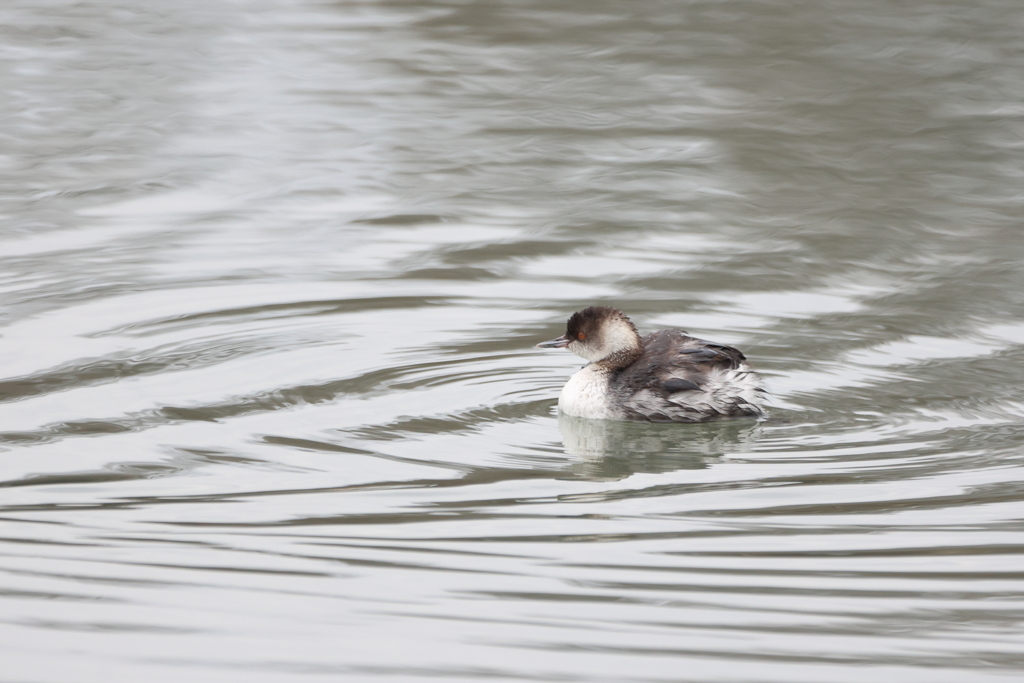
column 271, row 274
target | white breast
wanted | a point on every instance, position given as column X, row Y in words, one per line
column 586, row 395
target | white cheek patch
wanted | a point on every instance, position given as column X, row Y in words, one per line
column 617, row 335
column 584, row 351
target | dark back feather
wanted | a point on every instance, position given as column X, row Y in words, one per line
column 673, row 362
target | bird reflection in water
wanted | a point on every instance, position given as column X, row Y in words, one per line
column 614, row 449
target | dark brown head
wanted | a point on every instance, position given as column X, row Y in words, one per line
column 597, row 332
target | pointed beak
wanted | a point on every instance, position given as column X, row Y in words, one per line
column 559, row 343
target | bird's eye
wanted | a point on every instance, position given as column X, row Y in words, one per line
column 581, row 336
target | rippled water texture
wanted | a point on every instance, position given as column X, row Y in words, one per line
column 271, row 273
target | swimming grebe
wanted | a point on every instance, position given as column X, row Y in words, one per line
column 667, row 376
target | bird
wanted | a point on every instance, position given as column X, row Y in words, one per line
column 666, row 376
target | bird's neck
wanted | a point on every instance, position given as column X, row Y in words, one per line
column 621, row 358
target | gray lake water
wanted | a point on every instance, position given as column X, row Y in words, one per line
column 271, row 273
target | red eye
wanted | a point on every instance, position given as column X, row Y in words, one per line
column 581, row 336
